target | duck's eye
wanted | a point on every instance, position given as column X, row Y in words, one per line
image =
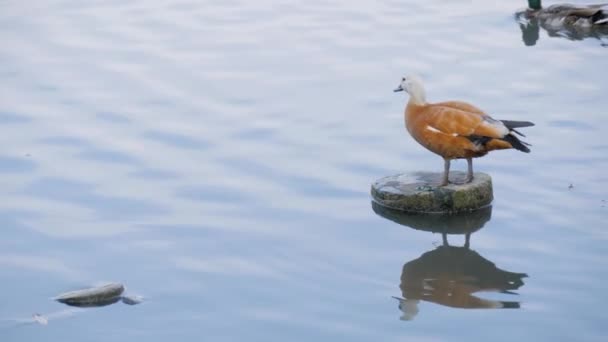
column 403, row 79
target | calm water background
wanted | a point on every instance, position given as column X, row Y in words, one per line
column 216, row 157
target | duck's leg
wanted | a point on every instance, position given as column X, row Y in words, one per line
column 446, row 172
column 469, row 178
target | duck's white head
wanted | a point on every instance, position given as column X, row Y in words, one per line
column 412, row 85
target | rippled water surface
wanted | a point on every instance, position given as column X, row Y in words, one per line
column 216, row 157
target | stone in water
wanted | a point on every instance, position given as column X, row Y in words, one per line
column 419, row 192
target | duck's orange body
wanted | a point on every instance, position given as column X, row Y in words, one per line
column 446, row 129
column 455, row 129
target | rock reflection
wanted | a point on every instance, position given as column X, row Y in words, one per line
column 450, row 275
column 463, row 223
column 530, row 26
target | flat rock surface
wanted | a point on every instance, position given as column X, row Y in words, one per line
column 420, row 192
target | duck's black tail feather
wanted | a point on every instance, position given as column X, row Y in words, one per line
column 516, row 124
column 516, row 143
column 512, row 125
column 600, row 17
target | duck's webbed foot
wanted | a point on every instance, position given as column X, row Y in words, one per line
column 447, row 182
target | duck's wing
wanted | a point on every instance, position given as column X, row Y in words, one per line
column 467, row 107
column 586, row 12
column 583, row 11
column 458, row 122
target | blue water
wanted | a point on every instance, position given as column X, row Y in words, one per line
column 216, row 158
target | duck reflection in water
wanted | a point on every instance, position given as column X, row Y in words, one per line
column 564, row 21
column 450, row 275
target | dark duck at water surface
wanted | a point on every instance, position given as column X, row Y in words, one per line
column 573, row 22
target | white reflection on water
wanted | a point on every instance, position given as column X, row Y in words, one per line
column 11, row 263
column 231, row 266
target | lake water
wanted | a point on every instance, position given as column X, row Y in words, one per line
column 216, row 158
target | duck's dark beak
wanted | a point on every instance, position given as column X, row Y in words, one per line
column 399, row 88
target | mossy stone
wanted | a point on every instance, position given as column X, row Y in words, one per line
column 419, row 192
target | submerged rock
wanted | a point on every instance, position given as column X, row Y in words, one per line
column 98, row 296
column 418, row 192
